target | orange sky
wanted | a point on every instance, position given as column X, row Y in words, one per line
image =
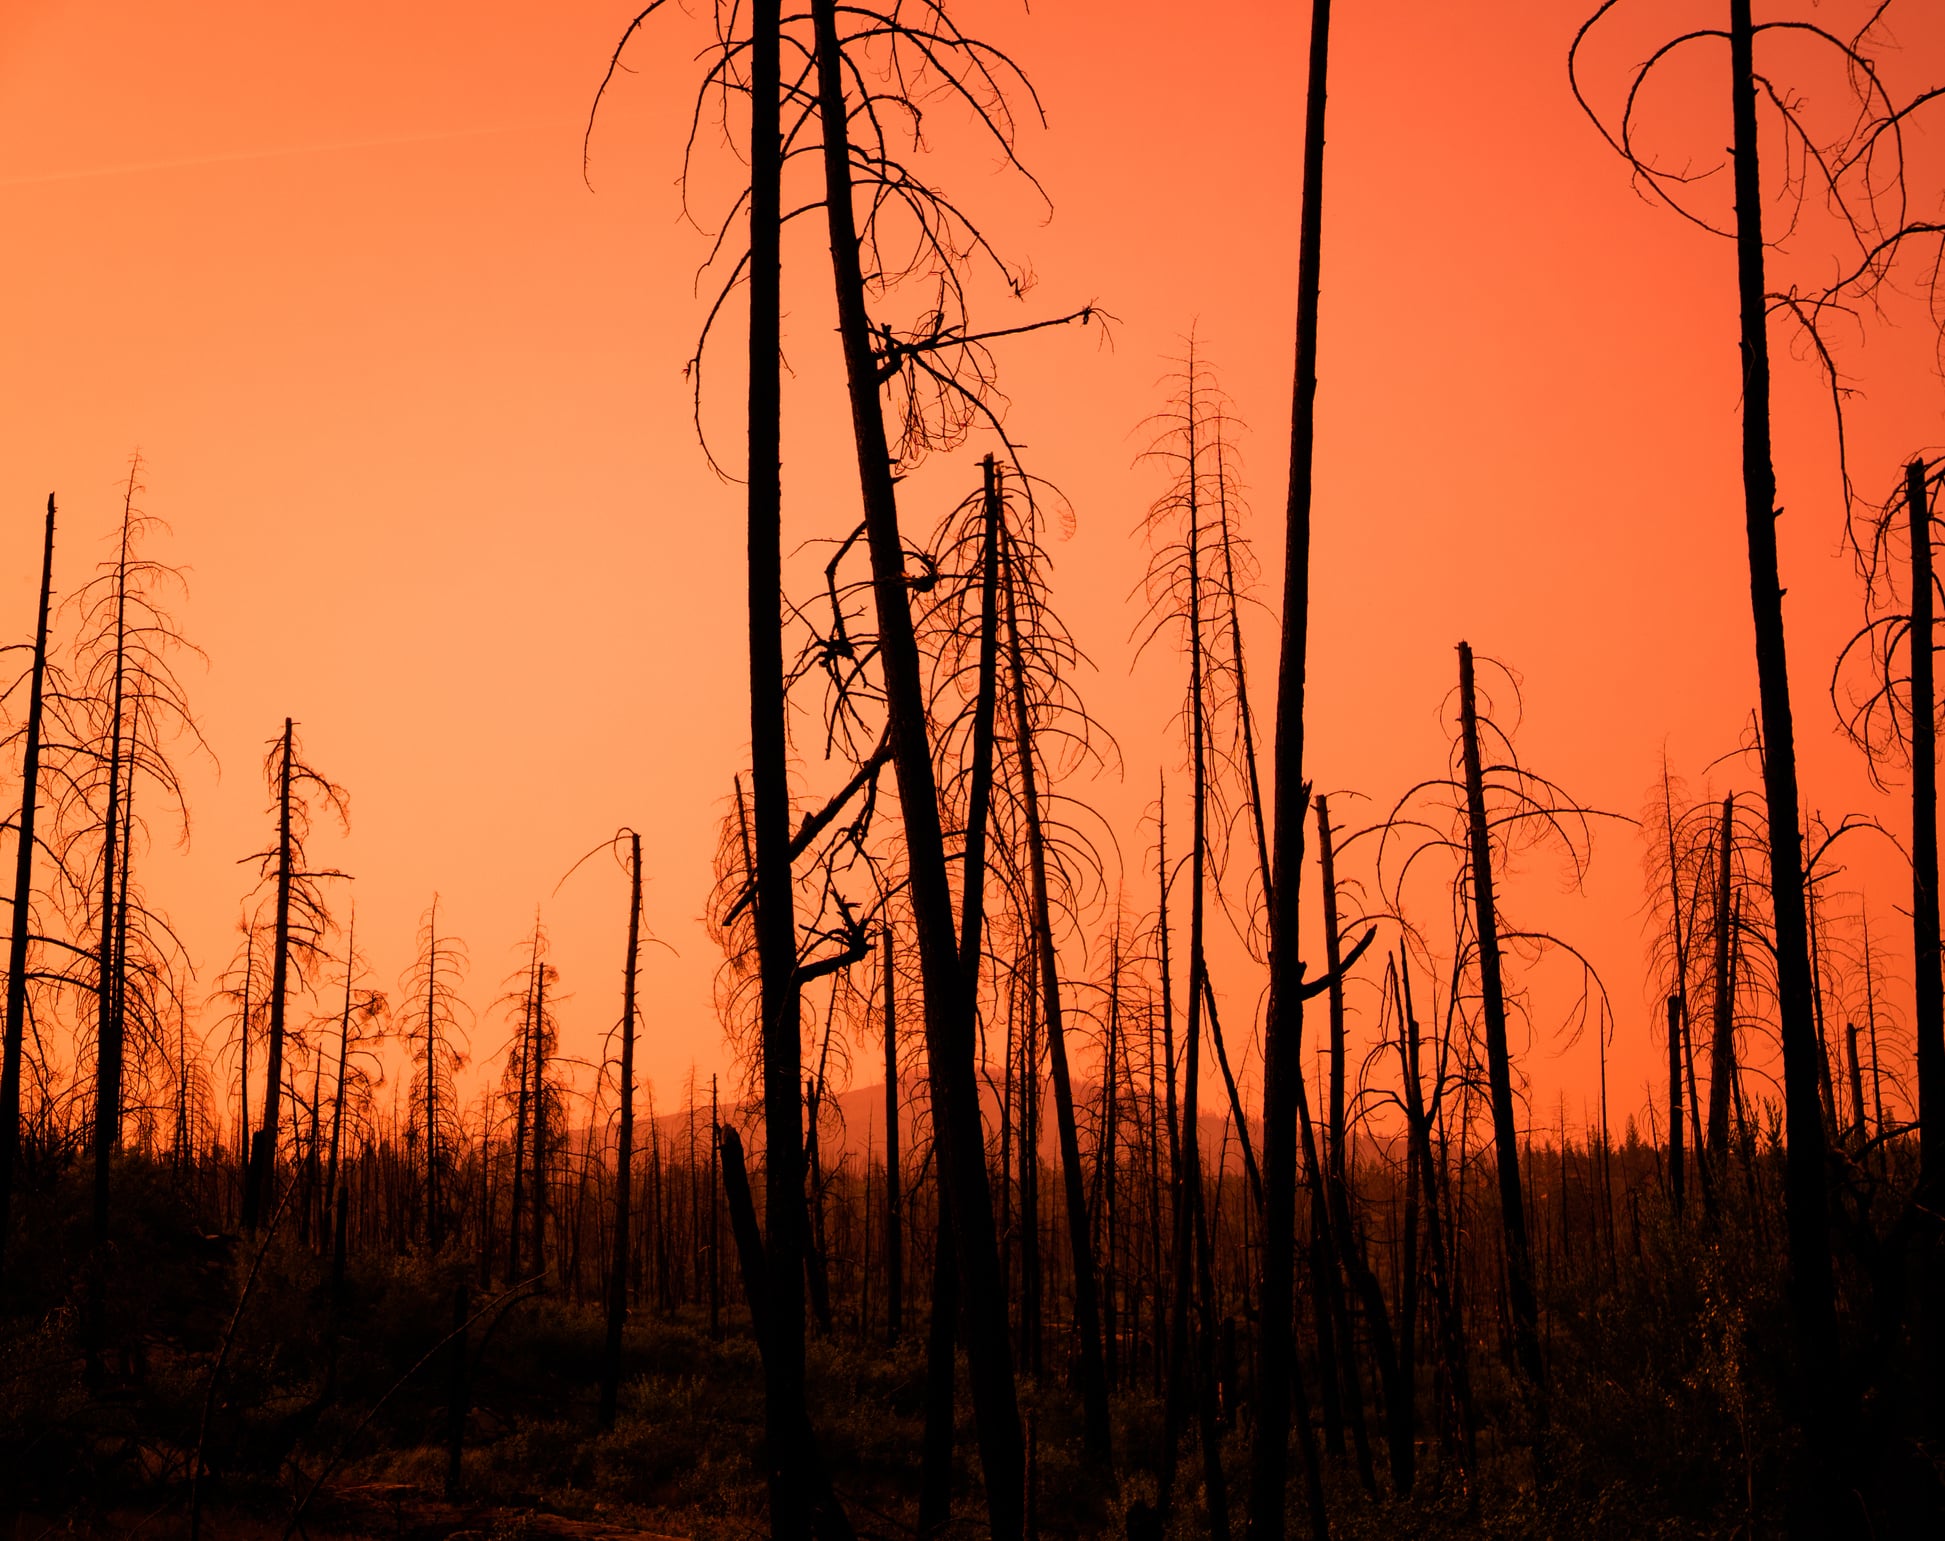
column 411, row 396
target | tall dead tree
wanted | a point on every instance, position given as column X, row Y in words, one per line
column 1278, row 1378
column 23, row 895
column 1855, row 173
column 978, row 631
column 1457, row 829
column 1893, row 717
column 1190, row 589
column 1394, row 1371
column 785, row 1414
column 350, row 1097
column 1499, row 1075
column 434, row 1032
column 1675, row 1173
column 1087, row 1310
column 126, row 708
column 624, row 1145
column 949, row 1026
column 1722, row 1039
column 298, row 922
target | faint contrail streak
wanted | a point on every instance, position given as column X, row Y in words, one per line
column 226, row 157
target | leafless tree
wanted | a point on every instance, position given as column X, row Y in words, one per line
column 432, row 1020
column 299, row 921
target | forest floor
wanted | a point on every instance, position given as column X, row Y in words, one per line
column 331, row 1421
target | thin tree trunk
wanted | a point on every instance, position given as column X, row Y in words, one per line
column 1675, row 1102
column 1722, row 1044
column 108, row 1039
column 1825, row 1083
column 537, row 1059
column 1499, row 1071
column 936, row 1462
column 1812, row 1286
column 434, row 1214
column 263, row 1151
column 515, row 1202
column 108, row 1016
column 715, row 1220
column 1859, row 1133
column 1096, row 1438
column 243, row 1063
column 1105, row 1162
column 894, row 1214
column 1279, row 1381
column 816, row 1273
column 1431, row 1172
column 16, row 1026
column 1027, row 1133
column 822, row 1516
column 1926, row 981
column 786, row 1419
column 334, row 1196
column 625, row 1146
column 1870, row 1022
column 1399, row 1431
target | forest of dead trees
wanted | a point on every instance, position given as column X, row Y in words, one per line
column 1179, row 1178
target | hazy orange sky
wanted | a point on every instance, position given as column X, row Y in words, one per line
column 411, row 396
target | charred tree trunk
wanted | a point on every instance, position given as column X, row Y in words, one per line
column 263, row 1150
column 520, row 1111
column 334, row 1182
column 1105, row 1162
column 816, row 1270
column 243, row 1055
column 786, row 1419
column 1096, row 1438
column 1859, row 1130
column 625, row 1147
column 537, row 1062
column 936, row 1463
column 1400, row 1432
column 949, row 1025
column 1812, row 1286
column 16, row 1026
column 108, row 1020
column 822, row 1517
column 894, row 1213
column 1499, row 1070
column 1279, row 1379
column 1194, row 1285
column 1926, row 979
column 715, row 1220
column 1675, row 1102
column 1722, row 1043
column 1445, row 1302
column 434, row 1211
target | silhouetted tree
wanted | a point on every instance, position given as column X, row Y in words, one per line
column 625, row 1144
column 23, row 895
column 432, row 1020
column 1893, row 716
column 1279, row 1384
column 298, row 922
column 1854, row 172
